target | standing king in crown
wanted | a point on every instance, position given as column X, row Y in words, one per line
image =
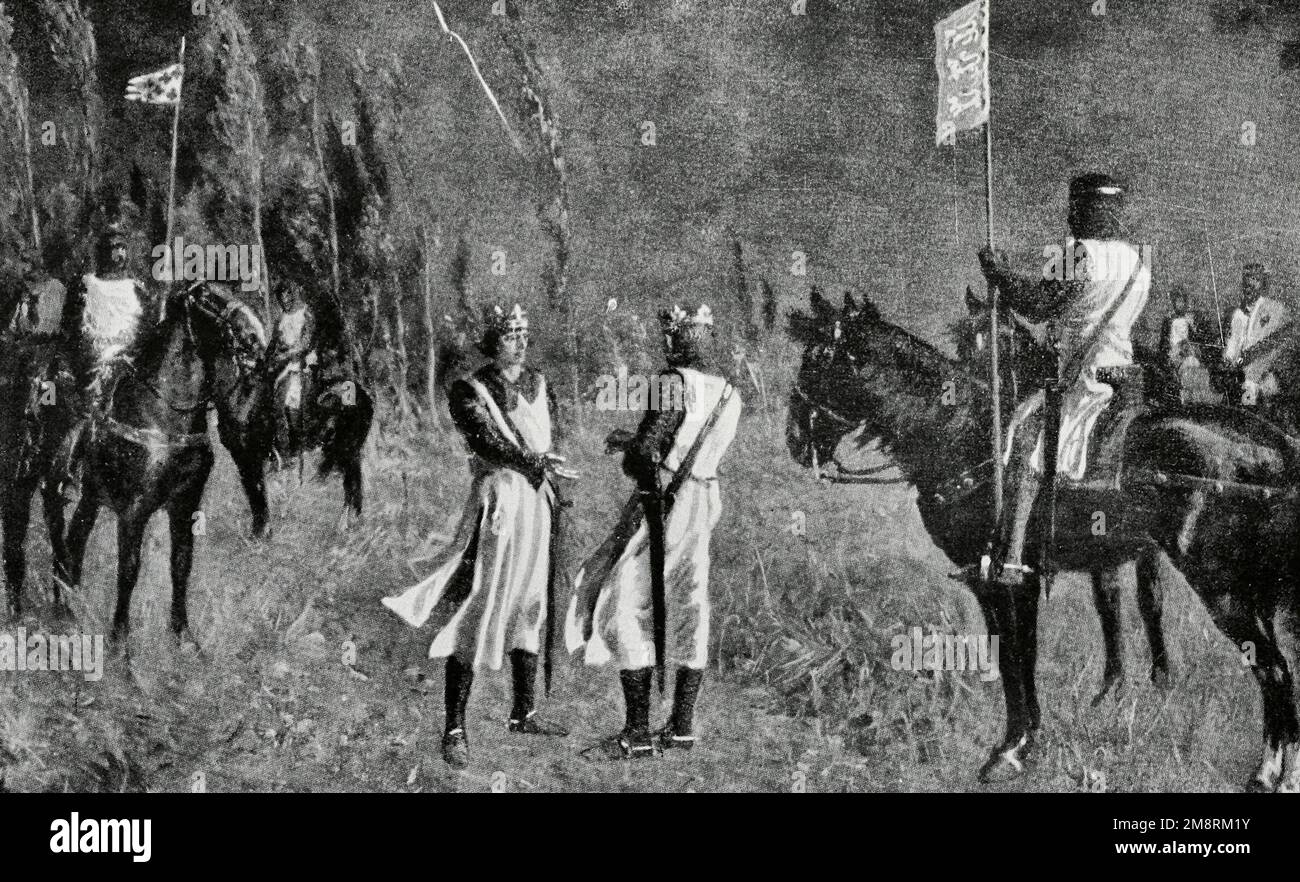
column 489, row 591
column 642, row 598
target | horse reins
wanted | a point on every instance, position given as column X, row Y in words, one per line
column 844, row 474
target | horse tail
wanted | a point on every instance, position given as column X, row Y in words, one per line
column 344, row 433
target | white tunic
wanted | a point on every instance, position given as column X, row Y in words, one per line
column 504, row 607
column 111, row 315
column 614, row 619
column 1261, row 319
column 1096, row 332
column 1250, row 327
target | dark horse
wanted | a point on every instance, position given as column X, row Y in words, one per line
column 37, row 408
column 1211, row 488
column 148, row 448
column 336, row 419
column 241, row 395
column 1026, row 364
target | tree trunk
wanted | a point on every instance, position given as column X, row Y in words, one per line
column 24, row 122
column 430, row 327
column 336, row 278
column 402, row 363
column 256, row 157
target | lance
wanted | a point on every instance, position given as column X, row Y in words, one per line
column 995, row 379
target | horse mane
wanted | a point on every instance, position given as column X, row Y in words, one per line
column 912, row 373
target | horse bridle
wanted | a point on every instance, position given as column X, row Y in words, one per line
column 843, row 474
column 185, row 410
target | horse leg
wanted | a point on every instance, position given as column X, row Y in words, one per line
column 1000, row 615
column 1151, row 601
column 1251, row 630
column 55, row 526
column 180, row 522
column 1106, row 596
column 352, row 485
column 252, row 476
column 130, row 537
column 1026, row 598
column 83, row 524
column 17, row 509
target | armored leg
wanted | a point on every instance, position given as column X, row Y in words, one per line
column 635, row 741
column 679, row 733
column 455, row 744
column 523, row 715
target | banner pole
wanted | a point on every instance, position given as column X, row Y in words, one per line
column 995, row 380
column 171, row 184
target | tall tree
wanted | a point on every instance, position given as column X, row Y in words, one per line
column 72, row 41
column 550, row 167
column 299, row 63
column 239, row 124
column 15, row 131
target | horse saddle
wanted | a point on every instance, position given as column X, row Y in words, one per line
column 1093, row 512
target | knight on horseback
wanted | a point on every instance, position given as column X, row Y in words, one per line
column 293, row 361
column 1093, row 313
column 1259, row 341
column 104, row 313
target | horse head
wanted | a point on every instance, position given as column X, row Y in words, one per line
column 855, row 366
column 234, row 328
column 825, row 402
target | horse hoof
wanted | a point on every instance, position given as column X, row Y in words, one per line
column 185, row 642
column 1006, row 763
column 1162, row 679
column 1110, row 686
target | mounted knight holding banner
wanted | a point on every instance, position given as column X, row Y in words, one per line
column 1093, row 314
column 642, row 598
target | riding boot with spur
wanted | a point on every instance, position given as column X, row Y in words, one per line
column 679, row 733
column 455, row 744
column 1009, row 566
column 635, row 741
column 523, row 716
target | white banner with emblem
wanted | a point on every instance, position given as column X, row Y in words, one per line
column 962, row 60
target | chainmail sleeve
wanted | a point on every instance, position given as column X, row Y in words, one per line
column 476, row 425
column 1037, row 299
column 653, row 439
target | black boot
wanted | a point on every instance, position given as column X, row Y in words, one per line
column 523, row 717
column 635, row 741
column 455, row 744
column 679, row 734
column 1009, row 566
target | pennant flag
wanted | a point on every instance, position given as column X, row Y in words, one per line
column 161, row 87
column 962, row 59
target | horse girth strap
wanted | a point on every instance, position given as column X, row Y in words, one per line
column 152, row 437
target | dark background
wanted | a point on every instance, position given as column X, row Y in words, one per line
column 811, row 133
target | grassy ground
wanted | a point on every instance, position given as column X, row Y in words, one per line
column 801, row 694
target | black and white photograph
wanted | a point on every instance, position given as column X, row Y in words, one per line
column 408, row 399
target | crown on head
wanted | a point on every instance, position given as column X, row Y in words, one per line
column 676, row 319
column 508, row 322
